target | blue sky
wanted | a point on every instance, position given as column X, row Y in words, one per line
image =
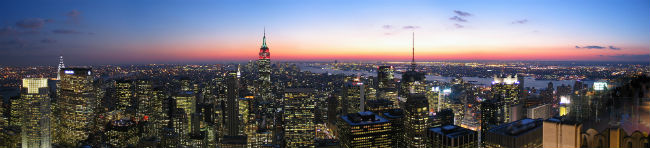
column 147, row 31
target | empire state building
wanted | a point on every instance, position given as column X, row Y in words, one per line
column 264, row 70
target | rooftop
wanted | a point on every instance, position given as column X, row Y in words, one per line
column 451, row 131
column 517, row 128
column 363, row 118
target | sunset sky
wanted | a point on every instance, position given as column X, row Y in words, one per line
column 196, row 31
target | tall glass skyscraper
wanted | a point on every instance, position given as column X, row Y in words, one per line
column 35, row 110
column 74, row 109
column 299, row 117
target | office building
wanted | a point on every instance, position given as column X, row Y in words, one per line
column 232, row 104
column 364, row 129
column 416, row 120
column 509, row 90
column 74, row 110
column 540, row 111
column 451, row 136
column 561, row 134
column 35, row 111
column 524, row 133
column 299, row 128
column 264, row 71
column 396, row 119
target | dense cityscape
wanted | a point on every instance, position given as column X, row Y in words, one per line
column 327, row 104
column 325, row 74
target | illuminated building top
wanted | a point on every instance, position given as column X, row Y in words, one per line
column 509, row 80
column 264, row 50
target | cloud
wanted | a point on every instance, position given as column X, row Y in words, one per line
column 396, row 29
column 31, row 23
column 630, row 57
column 65, row 31
column 7, row 30
column 459, row 26
column 74, row 16
column 410, row 27
column 591, row 47
column 614, row 48
column 73, row 13
column 16, row 43
column 599, row 47
column 47, row 40
column 461, row 13
column 458, row 19
column 524, row 21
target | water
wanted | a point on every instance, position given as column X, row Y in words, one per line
column 528, row 81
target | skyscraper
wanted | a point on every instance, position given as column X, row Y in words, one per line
column 507, row 89
column 264, row 70
column 386, row 87
column 232, row 104
column 416, row 120
column 353, row 97
column 386, row 76
column 558, row 133
column 396, row 118
column 74, row 110
column 416, row 107
column 35, row 108
column 412, row 80
column 365, row 129
column 451, row 136
column 524, row 133
column 124, row 96
column 61, row 66
column 299, row 117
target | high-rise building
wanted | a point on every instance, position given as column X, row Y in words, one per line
column 124, row 97
column 540, row 111
column 386, row 87
column 416, row 120
column 364, row 129
column 61, row 66
column 353, row 98
column 443, row 117
column 264, row 71
column 416, row 106
column 524, row 133
column 299, row 128
column 186, row 100
column 412, row 80
column 558, row 133
column 380, row 105
column 451, row 136
column 232, row 104
column 490, row 116
column 74, row 110
column 35, row 109
column 122, row 133
column 386, row 77
column 396, row 119
column 507, row 89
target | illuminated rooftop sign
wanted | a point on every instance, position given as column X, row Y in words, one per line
column 600, row 85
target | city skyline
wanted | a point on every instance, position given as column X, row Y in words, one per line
column 121, row 32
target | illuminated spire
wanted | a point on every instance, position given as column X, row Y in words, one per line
column 264, row 50
column 61, row 66
column 413, row 53
column 264, row 39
